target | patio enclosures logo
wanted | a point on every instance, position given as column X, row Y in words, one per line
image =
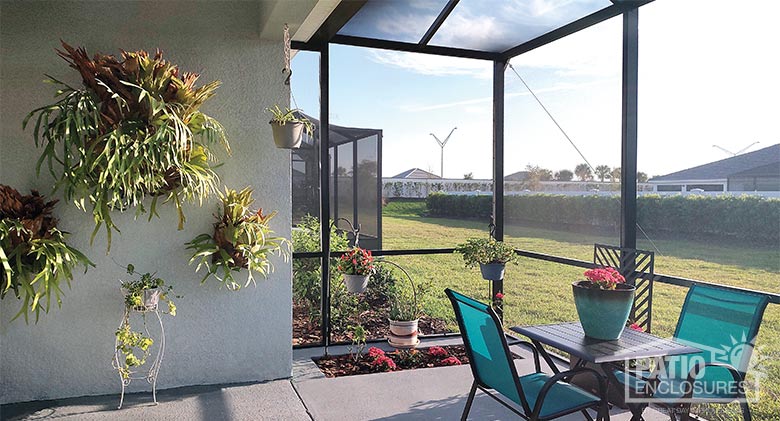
column 715, row 375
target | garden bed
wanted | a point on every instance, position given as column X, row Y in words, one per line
column 374, row 321
column 378, row 361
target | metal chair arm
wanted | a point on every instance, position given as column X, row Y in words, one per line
column 563, row 376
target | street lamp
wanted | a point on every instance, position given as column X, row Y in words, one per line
column 442, row 144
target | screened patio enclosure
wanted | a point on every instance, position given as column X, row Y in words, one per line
column 355, row 184
column 436, row 27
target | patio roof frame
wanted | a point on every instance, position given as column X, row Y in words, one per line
column 500, row 61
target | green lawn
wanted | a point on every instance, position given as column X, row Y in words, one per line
column 538, row 291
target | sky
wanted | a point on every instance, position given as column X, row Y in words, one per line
column 708, row 75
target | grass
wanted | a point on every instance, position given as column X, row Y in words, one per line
column 539, row 292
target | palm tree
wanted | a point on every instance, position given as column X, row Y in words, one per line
column 602, row 172
column 583, row 172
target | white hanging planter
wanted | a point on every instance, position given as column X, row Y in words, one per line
column 151, row 298
column 356, row 284
column 287, row 136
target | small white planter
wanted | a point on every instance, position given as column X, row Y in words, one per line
column 287, row 136
column 403, row 334
column 151, row 298
column 356, row 283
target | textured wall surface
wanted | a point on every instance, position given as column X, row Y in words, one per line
column 217, row 336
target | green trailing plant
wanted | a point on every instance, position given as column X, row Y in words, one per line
column 292, row 116
column 33, row 252
column 483, row 251
column 130, row 343
column 134, row 290
column 307, row 278
column 242, row 239
column 133, row 130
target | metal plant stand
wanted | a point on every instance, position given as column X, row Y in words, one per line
column 154, row 370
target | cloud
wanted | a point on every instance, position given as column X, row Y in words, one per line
column 433, row 65
column 557, row 87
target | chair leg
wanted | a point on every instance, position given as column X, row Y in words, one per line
column 469, row 402
column 746, row 415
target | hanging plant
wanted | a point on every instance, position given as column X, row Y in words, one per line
column 33, row 252
column 242, row 239
column 134, row 130
column 288, row 127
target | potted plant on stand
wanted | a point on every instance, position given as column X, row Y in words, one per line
column 356, row 265
column 288, row 127
column 404, row 314
column 491, row 256
column 603, row 303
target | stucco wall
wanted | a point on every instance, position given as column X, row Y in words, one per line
column 218, row 336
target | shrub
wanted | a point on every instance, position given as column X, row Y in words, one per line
column 750, row 218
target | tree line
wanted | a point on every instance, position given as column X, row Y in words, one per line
column 582, row 171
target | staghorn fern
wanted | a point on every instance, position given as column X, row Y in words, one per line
column 33, row 253
column 132, row 131
column 242, row 239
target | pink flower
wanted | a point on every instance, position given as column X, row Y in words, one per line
column 375, row 352
column 636, row 327
column 499, row 296
column 451, row 361
column 605, row 278
column 437, row 351
column 384, row 363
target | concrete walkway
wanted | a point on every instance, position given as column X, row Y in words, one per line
column 427, row 394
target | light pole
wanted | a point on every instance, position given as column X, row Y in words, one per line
column 442, row 144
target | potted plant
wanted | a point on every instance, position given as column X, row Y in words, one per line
column 404, row 314
column 242, row 239
column 491, row 256
column 133, row 130
column 34, row 256
column 142, row 295
column 603, row 302
column 356, row 265
column 288, row 127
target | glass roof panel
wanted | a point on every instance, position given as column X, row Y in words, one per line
column 396, row 20
column 498, row 25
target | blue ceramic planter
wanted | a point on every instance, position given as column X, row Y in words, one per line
column 603, row 313
column 492, row 271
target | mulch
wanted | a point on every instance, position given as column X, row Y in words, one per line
column 374, row 321
column 347, row 365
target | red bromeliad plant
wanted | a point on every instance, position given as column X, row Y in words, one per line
column 604, row 278
column 356, row 261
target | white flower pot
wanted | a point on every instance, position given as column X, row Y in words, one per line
column 356, row 283
column 403, row 334
column 151, row 298
column 287, row 136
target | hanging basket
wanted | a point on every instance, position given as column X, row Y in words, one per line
column 287, row 136
column 356, row 284
column 492, row 271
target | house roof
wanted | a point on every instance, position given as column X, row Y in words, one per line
column 416, row 173
column 764, row 161
column 517, row 176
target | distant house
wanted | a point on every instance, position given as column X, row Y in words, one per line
column 416, row 174
column 753, row 171
column 518, row 176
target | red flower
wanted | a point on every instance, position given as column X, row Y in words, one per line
column 605, row 278
column 451, row 361
column 384, row 363
column 375, row 352
column 499, row 296
column 437, row 351
column 636, row 327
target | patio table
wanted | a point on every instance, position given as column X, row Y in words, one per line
column 570, row 338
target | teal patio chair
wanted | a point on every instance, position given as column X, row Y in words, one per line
column 723, row 323
column 540, row 396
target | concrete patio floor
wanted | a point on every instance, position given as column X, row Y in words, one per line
column 428, row 394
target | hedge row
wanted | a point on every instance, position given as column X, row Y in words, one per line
column 751, row 218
